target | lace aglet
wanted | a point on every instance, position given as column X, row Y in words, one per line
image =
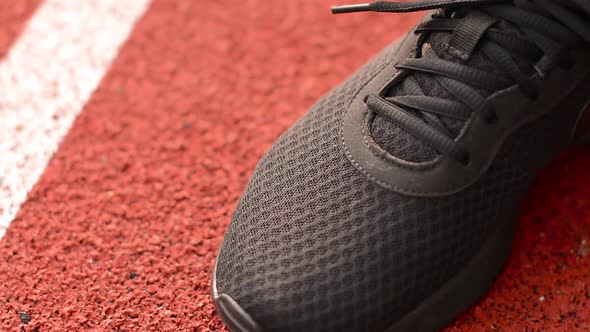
column 351, row 8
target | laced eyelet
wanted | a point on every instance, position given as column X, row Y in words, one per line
column 465, row 159
column 491, row 117
column 534, row 96
column 568, row 63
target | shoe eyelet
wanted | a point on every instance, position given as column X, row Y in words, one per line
column 365, row 99
column 532, row 95
column 491, row 118
column 568, row 63
column 465, row 159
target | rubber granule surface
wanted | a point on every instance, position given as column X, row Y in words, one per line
column 121, row 232
column 13, row 18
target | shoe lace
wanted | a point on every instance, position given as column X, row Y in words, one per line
column 547, row 31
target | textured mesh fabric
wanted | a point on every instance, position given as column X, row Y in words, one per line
column 315, row 246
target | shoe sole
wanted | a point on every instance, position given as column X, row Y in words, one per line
column 458, row 294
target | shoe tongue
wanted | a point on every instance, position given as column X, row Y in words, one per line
column 398, row 142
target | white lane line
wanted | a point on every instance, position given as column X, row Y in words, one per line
column 45, row 81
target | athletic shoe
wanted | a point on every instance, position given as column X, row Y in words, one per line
column 392, row 204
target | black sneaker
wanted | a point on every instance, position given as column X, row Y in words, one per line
column 392, row 205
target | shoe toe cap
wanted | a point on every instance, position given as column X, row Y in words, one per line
column 234, row 316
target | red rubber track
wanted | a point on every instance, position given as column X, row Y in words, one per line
column 13, row 17
column 121, row 231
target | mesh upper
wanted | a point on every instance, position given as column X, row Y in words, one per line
column 315, row 246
